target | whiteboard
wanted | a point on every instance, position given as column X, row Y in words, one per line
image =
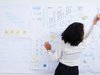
column 25, row 28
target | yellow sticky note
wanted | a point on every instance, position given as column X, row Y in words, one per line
column 17, row 31
column 11, row 31
column 34, row 59
column 24, row 32
column 84, row 17
column 53, row 37
column 6, row 32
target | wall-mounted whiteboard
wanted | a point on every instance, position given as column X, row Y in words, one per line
column 25, row 28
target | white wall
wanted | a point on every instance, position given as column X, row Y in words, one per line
column 51, row 2
column 46, row 74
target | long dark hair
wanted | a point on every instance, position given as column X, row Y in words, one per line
column 73, row 34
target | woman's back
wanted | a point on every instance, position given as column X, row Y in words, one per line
column 71, row 54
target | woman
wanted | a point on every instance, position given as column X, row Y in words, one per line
column 72, row 45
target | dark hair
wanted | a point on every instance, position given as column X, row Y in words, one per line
column 73, row 34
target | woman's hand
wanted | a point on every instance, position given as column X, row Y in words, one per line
column 96, row 19
column 47, row 46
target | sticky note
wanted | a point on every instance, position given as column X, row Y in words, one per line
column 84, row 17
